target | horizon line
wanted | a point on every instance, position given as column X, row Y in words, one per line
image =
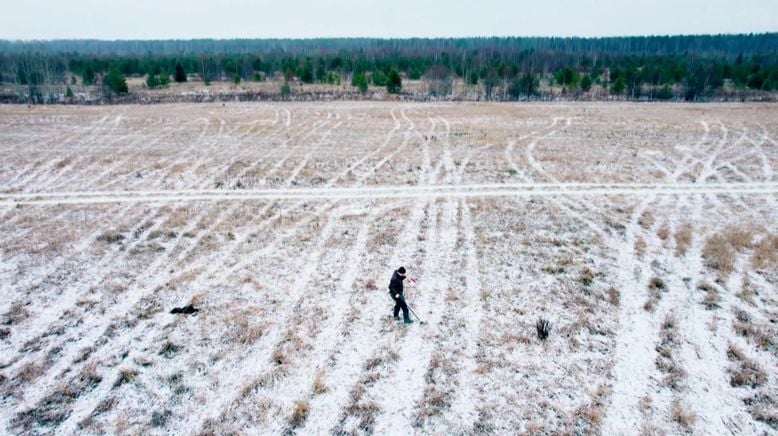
column 384, row 38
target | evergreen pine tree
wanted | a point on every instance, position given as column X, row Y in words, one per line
column 286, row 90
column 618, row 86
column 116, row 82
column 180, row 74
column 151, row 81
column 89, row 76
column 394, row 83
column 586, row 83
column 360, row 81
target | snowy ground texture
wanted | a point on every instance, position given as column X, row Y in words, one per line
column 647, row 234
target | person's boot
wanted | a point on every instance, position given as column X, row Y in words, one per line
column 408, row 321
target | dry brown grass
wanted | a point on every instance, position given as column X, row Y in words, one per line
column 739, row 238
column 299, row 413
column 586, row 277
column 186, row 277
column 587, row 418
column 435, row 400
column 657, row 283
column 734, row 353
column 125, row 376
column 646, row 402
column 720, row 250
column 614, row 296
column 440, row 367
column 560, row 265
column 764, row 407
column 111, row 237
column 763, row 336
column 169, row 349
column 765, row 255
column 646, row 220
column 665, row 360
column 640, row 246
column 155, row 234
column 683, row 238
column 29, row 372
column 89, row 376
column 711, row 299
column 245, row 329
column 197, row 299
column 746, row 292
column 663, row 232
column 319, row 386
column 16, row 314
column 746, row 371
column 365, row 413
column 655, row 288
column 147, row 307
column 178, row 218
column 383, row 358
column 63, row 163
column 279, row 357
column 748, row 374
column 719, row 254
column 53, row 409
column 685, row 418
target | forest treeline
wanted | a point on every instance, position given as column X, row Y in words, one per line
column 688, row 68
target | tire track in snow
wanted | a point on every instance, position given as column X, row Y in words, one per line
column 382, row 385
column 41, row 142
column 325, row 206
column 123, row 311
column 25, row 178
column 361, row 179
column 296, row 384
column 463, row 403
column 335, row 418
column 233, row 385
column 67, row 298
column 258, row 253
column 88, row 404
column 378, row 192
column 622, row 414
column 634, row 353
column 91, row 332
column 703, row 352
column 105, row 184
column 330, row 412
column 635, row 350
column 253, row 257
column 399, row 393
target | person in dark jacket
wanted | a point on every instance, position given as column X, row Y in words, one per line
column 396, row 292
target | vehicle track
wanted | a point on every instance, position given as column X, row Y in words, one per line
column 379, row 192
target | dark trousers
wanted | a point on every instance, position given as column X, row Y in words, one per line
column 399, row 303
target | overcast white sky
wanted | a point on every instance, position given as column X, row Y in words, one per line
column 180, row 19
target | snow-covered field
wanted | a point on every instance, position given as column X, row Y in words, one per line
column 647, row 234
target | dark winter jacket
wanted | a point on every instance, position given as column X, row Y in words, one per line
column 396, row 284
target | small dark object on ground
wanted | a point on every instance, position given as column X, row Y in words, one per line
column 543, row 327
column 186, row 310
